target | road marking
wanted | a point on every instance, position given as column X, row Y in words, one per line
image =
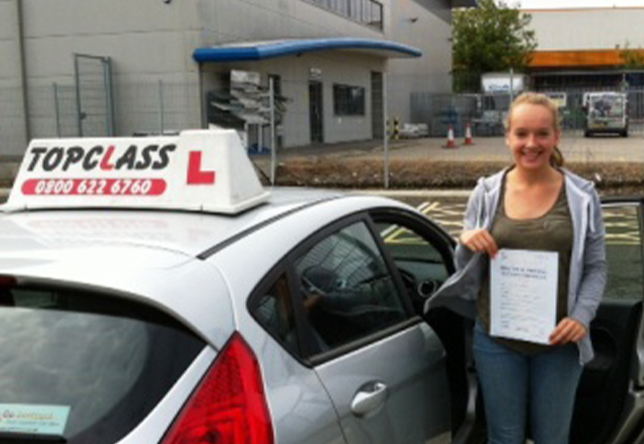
column 622, row 228
column 402, row 235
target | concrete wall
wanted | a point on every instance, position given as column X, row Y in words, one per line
column 341, row 68
column 13, row 130
column 150, row 41
column 146, row 39
column 256, row 20
column 10, row 71
column 425, row 24
column 226, row 21
column 586, row 29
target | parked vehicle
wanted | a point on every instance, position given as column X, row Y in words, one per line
column 606, row 112
column 413, row 130
column 151, row 291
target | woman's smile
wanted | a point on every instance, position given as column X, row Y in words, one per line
column 531, row 154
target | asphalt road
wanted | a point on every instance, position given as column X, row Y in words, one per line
column 447, row 209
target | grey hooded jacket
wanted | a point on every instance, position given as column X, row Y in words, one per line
column 587, row 264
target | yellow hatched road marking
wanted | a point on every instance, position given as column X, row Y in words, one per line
column 628, row 228
column 394, row 237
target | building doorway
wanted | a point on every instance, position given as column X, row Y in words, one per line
column 316, row 111
column 377, row 106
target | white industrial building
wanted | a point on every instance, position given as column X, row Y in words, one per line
column 116, row 67
column 583, row 48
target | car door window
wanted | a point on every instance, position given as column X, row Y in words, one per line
column 348, row 292
column 274, row 311
column 623, row 252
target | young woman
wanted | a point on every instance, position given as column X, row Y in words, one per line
column 534, row 204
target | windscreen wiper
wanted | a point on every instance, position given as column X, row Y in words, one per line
column 17, row 438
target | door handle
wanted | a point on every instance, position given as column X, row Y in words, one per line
column 369, row 399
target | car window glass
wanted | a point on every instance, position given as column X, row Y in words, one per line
column 420, row 264
column 274, row 311
column 109, row 360
column 623, row 252
column 348, row 292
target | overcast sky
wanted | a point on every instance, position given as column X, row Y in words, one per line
column 548, row 4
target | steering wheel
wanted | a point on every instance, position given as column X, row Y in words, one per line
column 418, row 291
column 310, row 287
column 374, row 278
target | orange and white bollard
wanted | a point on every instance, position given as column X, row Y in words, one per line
column 469, row 140
column 451, row 143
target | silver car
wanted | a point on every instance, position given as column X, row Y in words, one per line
column 294, row 321
column 289, row 323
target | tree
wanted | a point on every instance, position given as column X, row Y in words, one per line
column 632, row 58
column 490, row 38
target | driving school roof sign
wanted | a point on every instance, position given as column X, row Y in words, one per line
column 197, row 171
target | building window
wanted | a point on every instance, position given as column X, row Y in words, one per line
column 366, row 12
column 348, row 100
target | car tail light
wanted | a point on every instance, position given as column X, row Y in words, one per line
column 228, row 406
column 7, row 281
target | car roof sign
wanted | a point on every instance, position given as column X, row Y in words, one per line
column 198, row 170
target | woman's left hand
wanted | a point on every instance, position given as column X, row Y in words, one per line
column 568, row 330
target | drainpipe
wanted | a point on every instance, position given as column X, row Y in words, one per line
column 23, row 69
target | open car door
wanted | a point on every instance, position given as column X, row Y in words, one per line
column 421, row 254
column 610, row 398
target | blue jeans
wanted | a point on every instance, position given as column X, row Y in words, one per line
column 517, row 386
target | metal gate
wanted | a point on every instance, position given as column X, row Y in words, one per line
column 94, row 95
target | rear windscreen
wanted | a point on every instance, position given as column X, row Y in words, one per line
column 83, row 366
column 607, row 106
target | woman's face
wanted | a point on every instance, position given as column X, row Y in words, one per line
column 532, row 137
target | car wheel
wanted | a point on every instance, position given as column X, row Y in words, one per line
column 587, row 133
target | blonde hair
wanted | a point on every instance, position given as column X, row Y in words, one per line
column 532, row 98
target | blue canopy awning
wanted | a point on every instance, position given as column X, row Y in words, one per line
column 280, row 48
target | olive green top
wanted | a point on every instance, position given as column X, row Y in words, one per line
column 551, row 232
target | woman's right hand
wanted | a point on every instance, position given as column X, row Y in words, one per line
column 479, row 240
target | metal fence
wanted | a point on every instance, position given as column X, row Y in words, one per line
column 313, row 122
column 156, row 107
column 139, row 108
column 485, row 113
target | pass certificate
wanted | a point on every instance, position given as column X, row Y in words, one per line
column 523, row 293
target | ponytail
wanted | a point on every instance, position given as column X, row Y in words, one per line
column 557, row 159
